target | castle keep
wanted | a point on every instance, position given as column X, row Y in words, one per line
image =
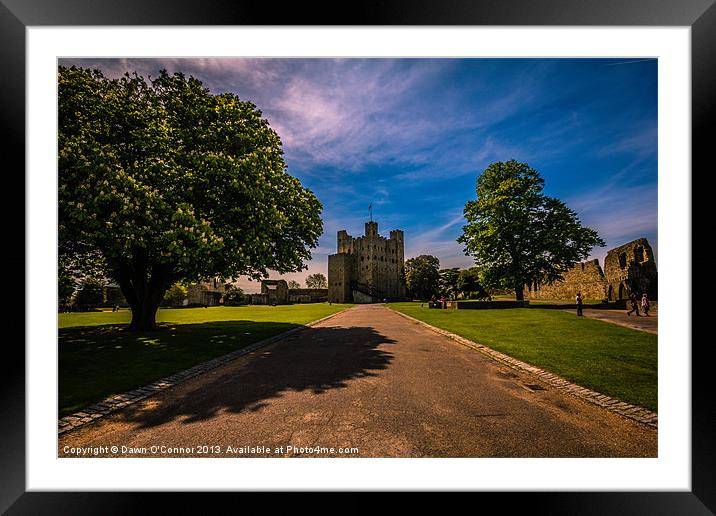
column 627, row 268
column 367, row 269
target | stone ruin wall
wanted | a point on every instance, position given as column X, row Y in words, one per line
column 277, row 292
column 585, row 277
column 307, row 295
column 629, row 267
column 206, row 293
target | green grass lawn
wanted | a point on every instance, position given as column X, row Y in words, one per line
column 97, row 358
column 611, row 359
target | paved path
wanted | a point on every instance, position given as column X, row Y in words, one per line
column 648, row 324
column 372, row 380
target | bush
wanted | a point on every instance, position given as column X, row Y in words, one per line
column 176, row 295
column 234, row 296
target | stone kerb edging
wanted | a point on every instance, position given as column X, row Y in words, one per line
column 634, row 412
column 114, row 403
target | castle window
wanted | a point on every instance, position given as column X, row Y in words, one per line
column 622, row 260
column 362, row 258
column 640, row 255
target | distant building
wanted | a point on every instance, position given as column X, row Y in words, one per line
column 206, row 293
column 367, row 269
column 273, row 292
column 276, row 292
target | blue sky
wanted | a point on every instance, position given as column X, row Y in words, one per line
column 411, row 136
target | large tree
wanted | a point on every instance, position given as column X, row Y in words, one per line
column 317, row 280
column 448, row 282
column 518, row 235
column 167, row 182
column 422, row 276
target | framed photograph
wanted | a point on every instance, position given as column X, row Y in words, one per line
column 212, row 309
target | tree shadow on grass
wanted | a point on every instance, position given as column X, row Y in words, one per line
column 99, row 361
column 315, row 360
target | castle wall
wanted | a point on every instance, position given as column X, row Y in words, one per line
column 307, row 295
column 627, row 268
column 339, row 278
column 585, row 277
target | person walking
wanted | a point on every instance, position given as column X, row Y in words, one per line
column 579, row 304
column 634, row 304
column 645, row 304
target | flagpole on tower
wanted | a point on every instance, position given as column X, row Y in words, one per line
column 370, row 209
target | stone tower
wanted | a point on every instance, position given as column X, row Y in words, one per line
column 367, row 269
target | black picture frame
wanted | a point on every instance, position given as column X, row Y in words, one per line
column 17, row 15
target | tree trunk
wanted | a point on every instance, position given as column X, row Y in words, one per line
column 144, row 294
column 144, row 317
column 520, row 293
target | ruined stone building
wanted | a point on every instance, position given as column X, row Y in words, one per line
column 206, row 293
column 273, row 292
column 627, row 268
column 367, row 269
column 276, row 292
column 631, row 268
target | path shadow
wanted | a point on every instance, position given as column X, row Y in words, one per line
column 99, row 361
column 314, row 359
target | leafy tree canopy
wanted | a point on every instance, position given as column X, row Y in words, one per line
column 90, row 293
column 518, row 235
column 294, row 284
column 469, row 284
column 164, row 182
column 317, row 280
column 448, row 281
column 422, row 276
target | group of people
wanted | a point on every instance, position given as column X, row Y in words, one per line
column 438, row 302
column 633, row 301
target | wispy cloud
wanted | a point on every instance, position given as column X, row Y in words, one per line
column 619, row 213
column 640, row 144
